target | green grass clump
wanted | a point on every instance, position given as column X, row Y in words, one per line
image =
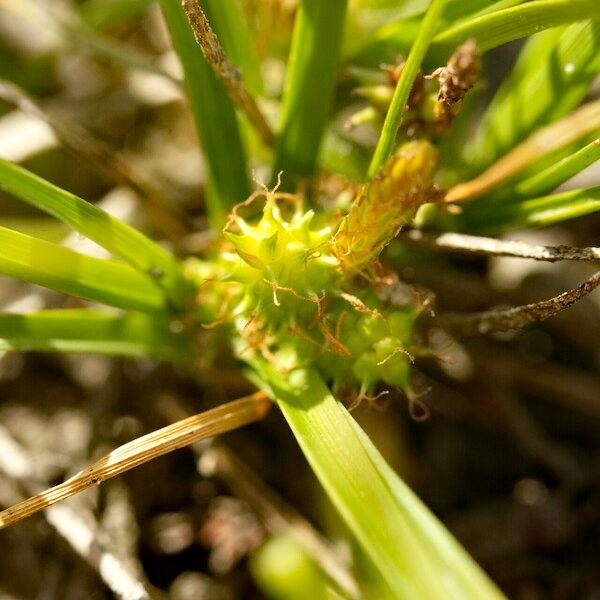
column 297, row 290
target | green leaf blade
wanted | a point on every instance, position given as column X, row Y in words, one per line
column 556, row 68
column 397, row 36
column 395, row 536
column 503, row 26
column 535, row 212
column 456, row 562
column 309, row 86
column 85, row 331
column 556, row 174
column 52, row 266
column 110, row 233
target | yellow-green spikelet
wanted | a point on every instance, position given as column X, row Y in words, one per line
column 384, row 204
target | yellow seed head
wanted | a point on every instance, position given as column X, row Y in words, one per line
column 384, row 205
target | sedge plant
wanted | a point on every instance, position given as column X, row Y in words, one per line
column 295, row 286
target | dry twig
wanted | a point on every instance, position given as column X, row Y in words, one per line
column 471, row 244
column 226, row 72
column 183, row 433
column 514, row 318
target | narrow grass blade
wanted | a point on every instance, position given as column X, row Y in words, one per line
column 396, row 36
column 91, row 332
column 558, row 173
column 110, row 233
column 396, row 111
column 309, row 86
column 536, row 212
column 214, row 117
column 448, row 556
column 45, row 228
column 389, row 525
column 556, row 69
column 52, row 266
column 496, row 6
column 497, row 28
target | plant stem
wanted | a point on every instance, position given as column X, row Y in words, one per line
column 395, row 113
column 309, row 86
column 550, row 178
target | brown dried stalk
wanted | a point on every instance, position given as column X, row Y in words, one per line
column 77, row 140
column 226, row 72
column 207, row 424
column 514, row 318
column 574, row 126
column 471, row 244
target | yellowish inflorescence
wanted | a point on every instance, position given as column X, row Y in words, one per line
column 289, row 279
column 384, row 205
